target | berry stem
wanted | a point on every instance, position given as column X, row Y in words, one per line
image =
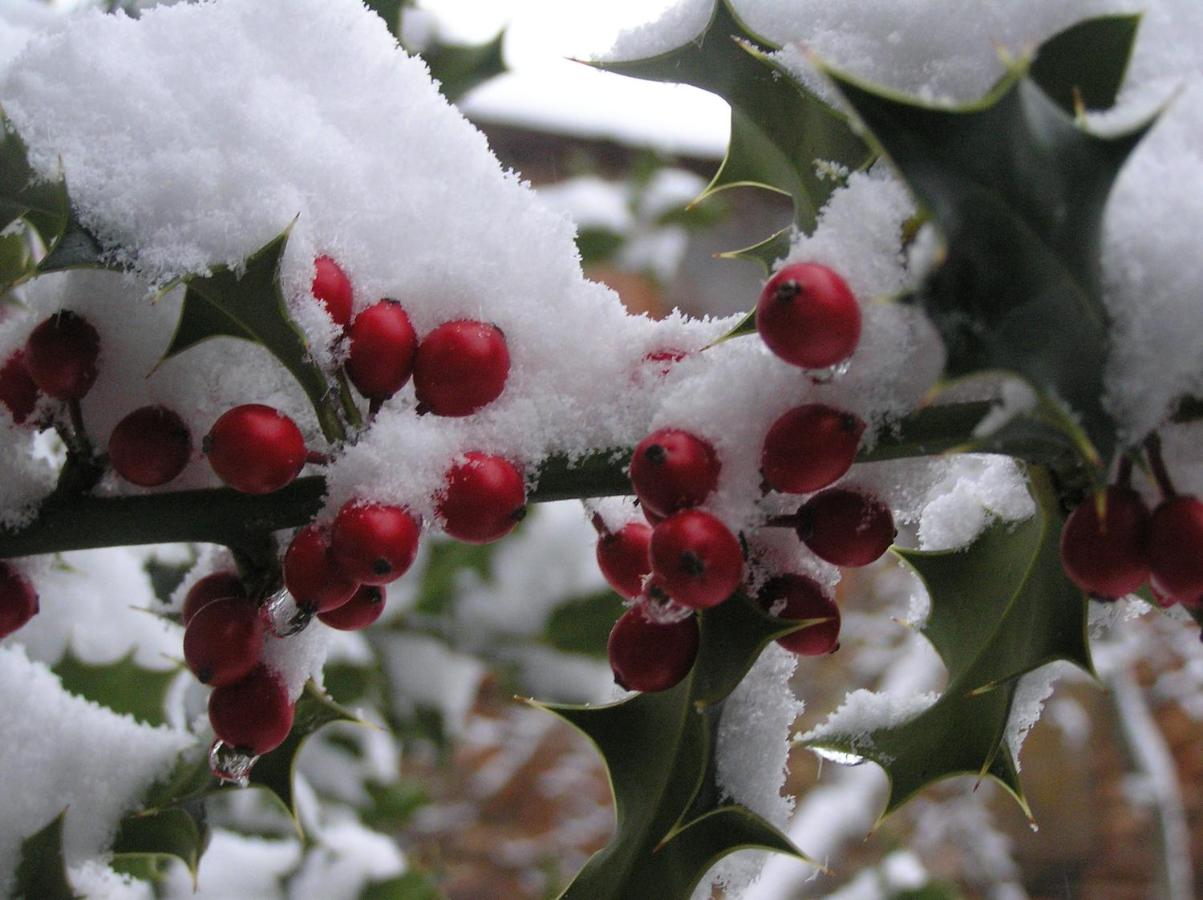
column 1157, row 464
column 1123, row 472
column 317, row 457
column 80, row 445
column 347, row 400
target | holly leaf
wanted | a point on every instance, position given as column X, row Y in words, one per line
column 460, row 67
column 41, row 870
column 779, row 129
column 764, row 254
column 999, row 609
column 1019, row 288
column 146, row 841
column 76, row 248
column 659, row 752
column 250, row 305
column 25, row 193
column 582, row 624
column 1086, row 62
column 410, row 886
column 122, row 686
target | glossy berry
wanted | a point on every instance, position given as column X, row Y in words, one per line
column 224, row 640
column 1108, row 556
column 696, row 558
column 483, row 500
column 624, row 558
column 673, row 469
column 383, row 346
column 253, row 715
column 799, row 597
column 206, row 590
column 807, row 316
column 650, row 656
column 846, row 527
column 60, row 356
column 1176, row 546
column 311, row 574
column 18, row 393
column 18, row 600
column 374, row 543
column 255, row 449
column 150, row 446
column 332, row 288
column 809, row 447
column 461, row 366
column 357, row 613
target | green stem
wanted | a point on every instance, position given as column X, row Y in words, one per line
column 347, row 399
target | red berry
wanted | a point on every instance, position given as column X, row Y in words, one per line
column 374, row 543
column 383, row 346
column 846, row 527
column 1176, row 546
column 807, row 316
column 18, row 600
column 798, row 597
column 150, row 446
column 255, row 449
column 18, row 393
column 697, row 559
column 672, row 470
column 484, row 499
column 623, row 557
column 253, row 715
column 1107, row 557
column 60, row 356
column 357, row 613
column 809, row 447
column 461, row 366
column 332, row 288
column 649, row 656
column 206, row 590
column 224, row 640
column 311, row 574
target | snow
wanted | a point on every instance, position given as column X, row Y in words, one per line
column 863, row 712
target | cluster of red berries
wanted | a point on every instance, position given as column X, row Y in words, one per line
column 687, row 559
column 1111, row 544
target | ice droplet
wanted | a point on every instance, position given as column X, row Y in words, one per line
column 283, row 616
column 230, row 765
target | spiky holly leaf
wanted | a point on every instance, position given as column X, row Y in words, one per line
column 779, row 129
column 659, row 753
column 999, row 609
column 25, row 193
column 764, row 254
column 41, row 871
column 1019, row 288
column 76, row 248
column 123, row 686
column 147, row 840
column 250, row 305
column 460, row 67
column 1086, row 62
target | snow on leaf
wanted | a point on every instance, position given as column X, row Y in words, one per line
column 42, row 873
column 122, row 686
column 1000, row 609
column 24, row 194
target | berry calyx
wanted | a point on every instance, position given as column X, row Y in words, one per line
column 846, row 527
column 255, row 449
column 383, row 347
column 150, row 446
column 311, row 574
column 673, row 469
column 18, row 392
column 1176, row 546
column 224, row 640
column 460, row 367
column 807, row 316
column 18, row 600
column 374, row 543
column 624, row 558
column 809, row 448
column 212, row 587
column 799, row 597
column 253, row 715
column 60, row 356
column 651, row 656
column 483, row 500
column 696, row 558
column 1107, row 556
column 332, row 288
column 357, row 613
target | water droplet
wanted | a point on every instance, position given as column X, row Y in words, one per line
column 230, row 765
column 282, row 615
column 837, row 756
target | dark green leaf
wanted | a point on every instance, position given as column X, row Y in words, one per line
column 999, row 609
column 147, row 840
column 23, row 192
column 76, row 248
column 1088, row 60
column 1019, row 288
column 764, row 254
column 16, row 263
column 346, row 683
column 410, row 886
column 460, row 67
column 41, row 871
column 392, row 805
column 779, row 129
column 251, row 306
column 390, row 11
column 447, row 560
column 166, row 577
column 583, row 625
column 597, row 245
column 122, row 686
